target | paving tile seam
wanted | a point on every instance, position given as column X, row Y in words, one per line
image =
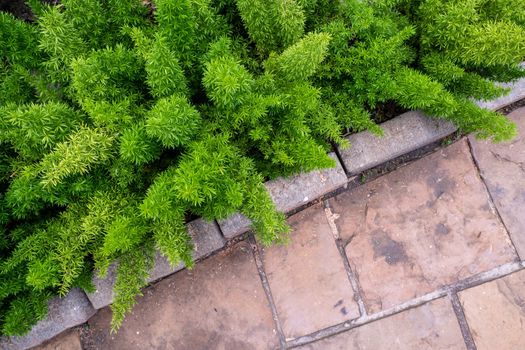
column 462, row 321
column 339, row 156
column 470, row 282
column 354, row 282
column 490, row 198
column 267, row 290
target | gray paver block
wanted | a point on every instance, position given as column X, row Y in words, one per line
column 291, row 193
column 516, row 93
column 103, row 294
column 206, row 239
column 64, row 313
column 235, row 225
column 403, row 134
column 162, row 268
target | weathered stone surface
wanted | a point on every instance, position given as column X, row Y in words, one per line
column 309, row 284
column 420, row 227
column 502, row 167
column 290, row 193
column 517, row 93
column 161, row 268
column 206, row 239
column 69, row 340
column 495, row 312
column 402, row 134
column 430, row 326
column 64, row 313
column 220, row 304
column 103, row 294
column 235, row 225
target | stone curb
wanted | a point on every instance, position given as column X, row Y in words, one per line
column 517, row 92
column 64, row 313
column 403, row 134
column 206, row 239
column 408, row 132
column 291, row 193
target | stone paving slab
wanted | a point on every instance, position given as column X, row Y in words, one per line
column 206, row 239
column 403, row 134
column 430, row 326
column 502, row 167
column 69, row 340
column 307, row 277
column 291, row 193
column 64, row 313
column 495, row 312
column 423, row 226
column 220, row 304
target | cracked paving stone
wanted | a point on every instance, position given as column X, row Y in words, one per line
column 423, row 226
column 219, row 304
column 307, row 277
column 503, row 168
column 429, row 326
column 495, row 312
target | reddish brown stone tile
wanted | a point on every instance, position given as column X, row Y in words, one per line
column 220, row 304
column 422, row 226
column 69, row 340
column 503, row 168
column 430, row 326
column 495, row 312
column 307, row 277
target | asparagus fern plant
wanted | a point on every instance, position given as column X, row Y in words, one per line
column 121, row 118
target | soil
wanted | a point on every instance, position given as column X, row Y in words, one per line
column 387, row 111
column 508, row 109
column 17, row 8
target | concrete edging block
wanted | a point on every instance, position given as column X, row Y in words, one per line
column 517, row 92
column 408, row 132
column 403, row 134
column 72, row 310
column 206, row 239
column 234, row 225
column 291, row 193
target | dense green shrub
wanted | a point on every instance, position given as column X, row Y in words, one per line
column 119, row 119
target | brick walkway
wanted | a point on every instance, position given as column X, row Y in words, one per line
column 425, row 257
